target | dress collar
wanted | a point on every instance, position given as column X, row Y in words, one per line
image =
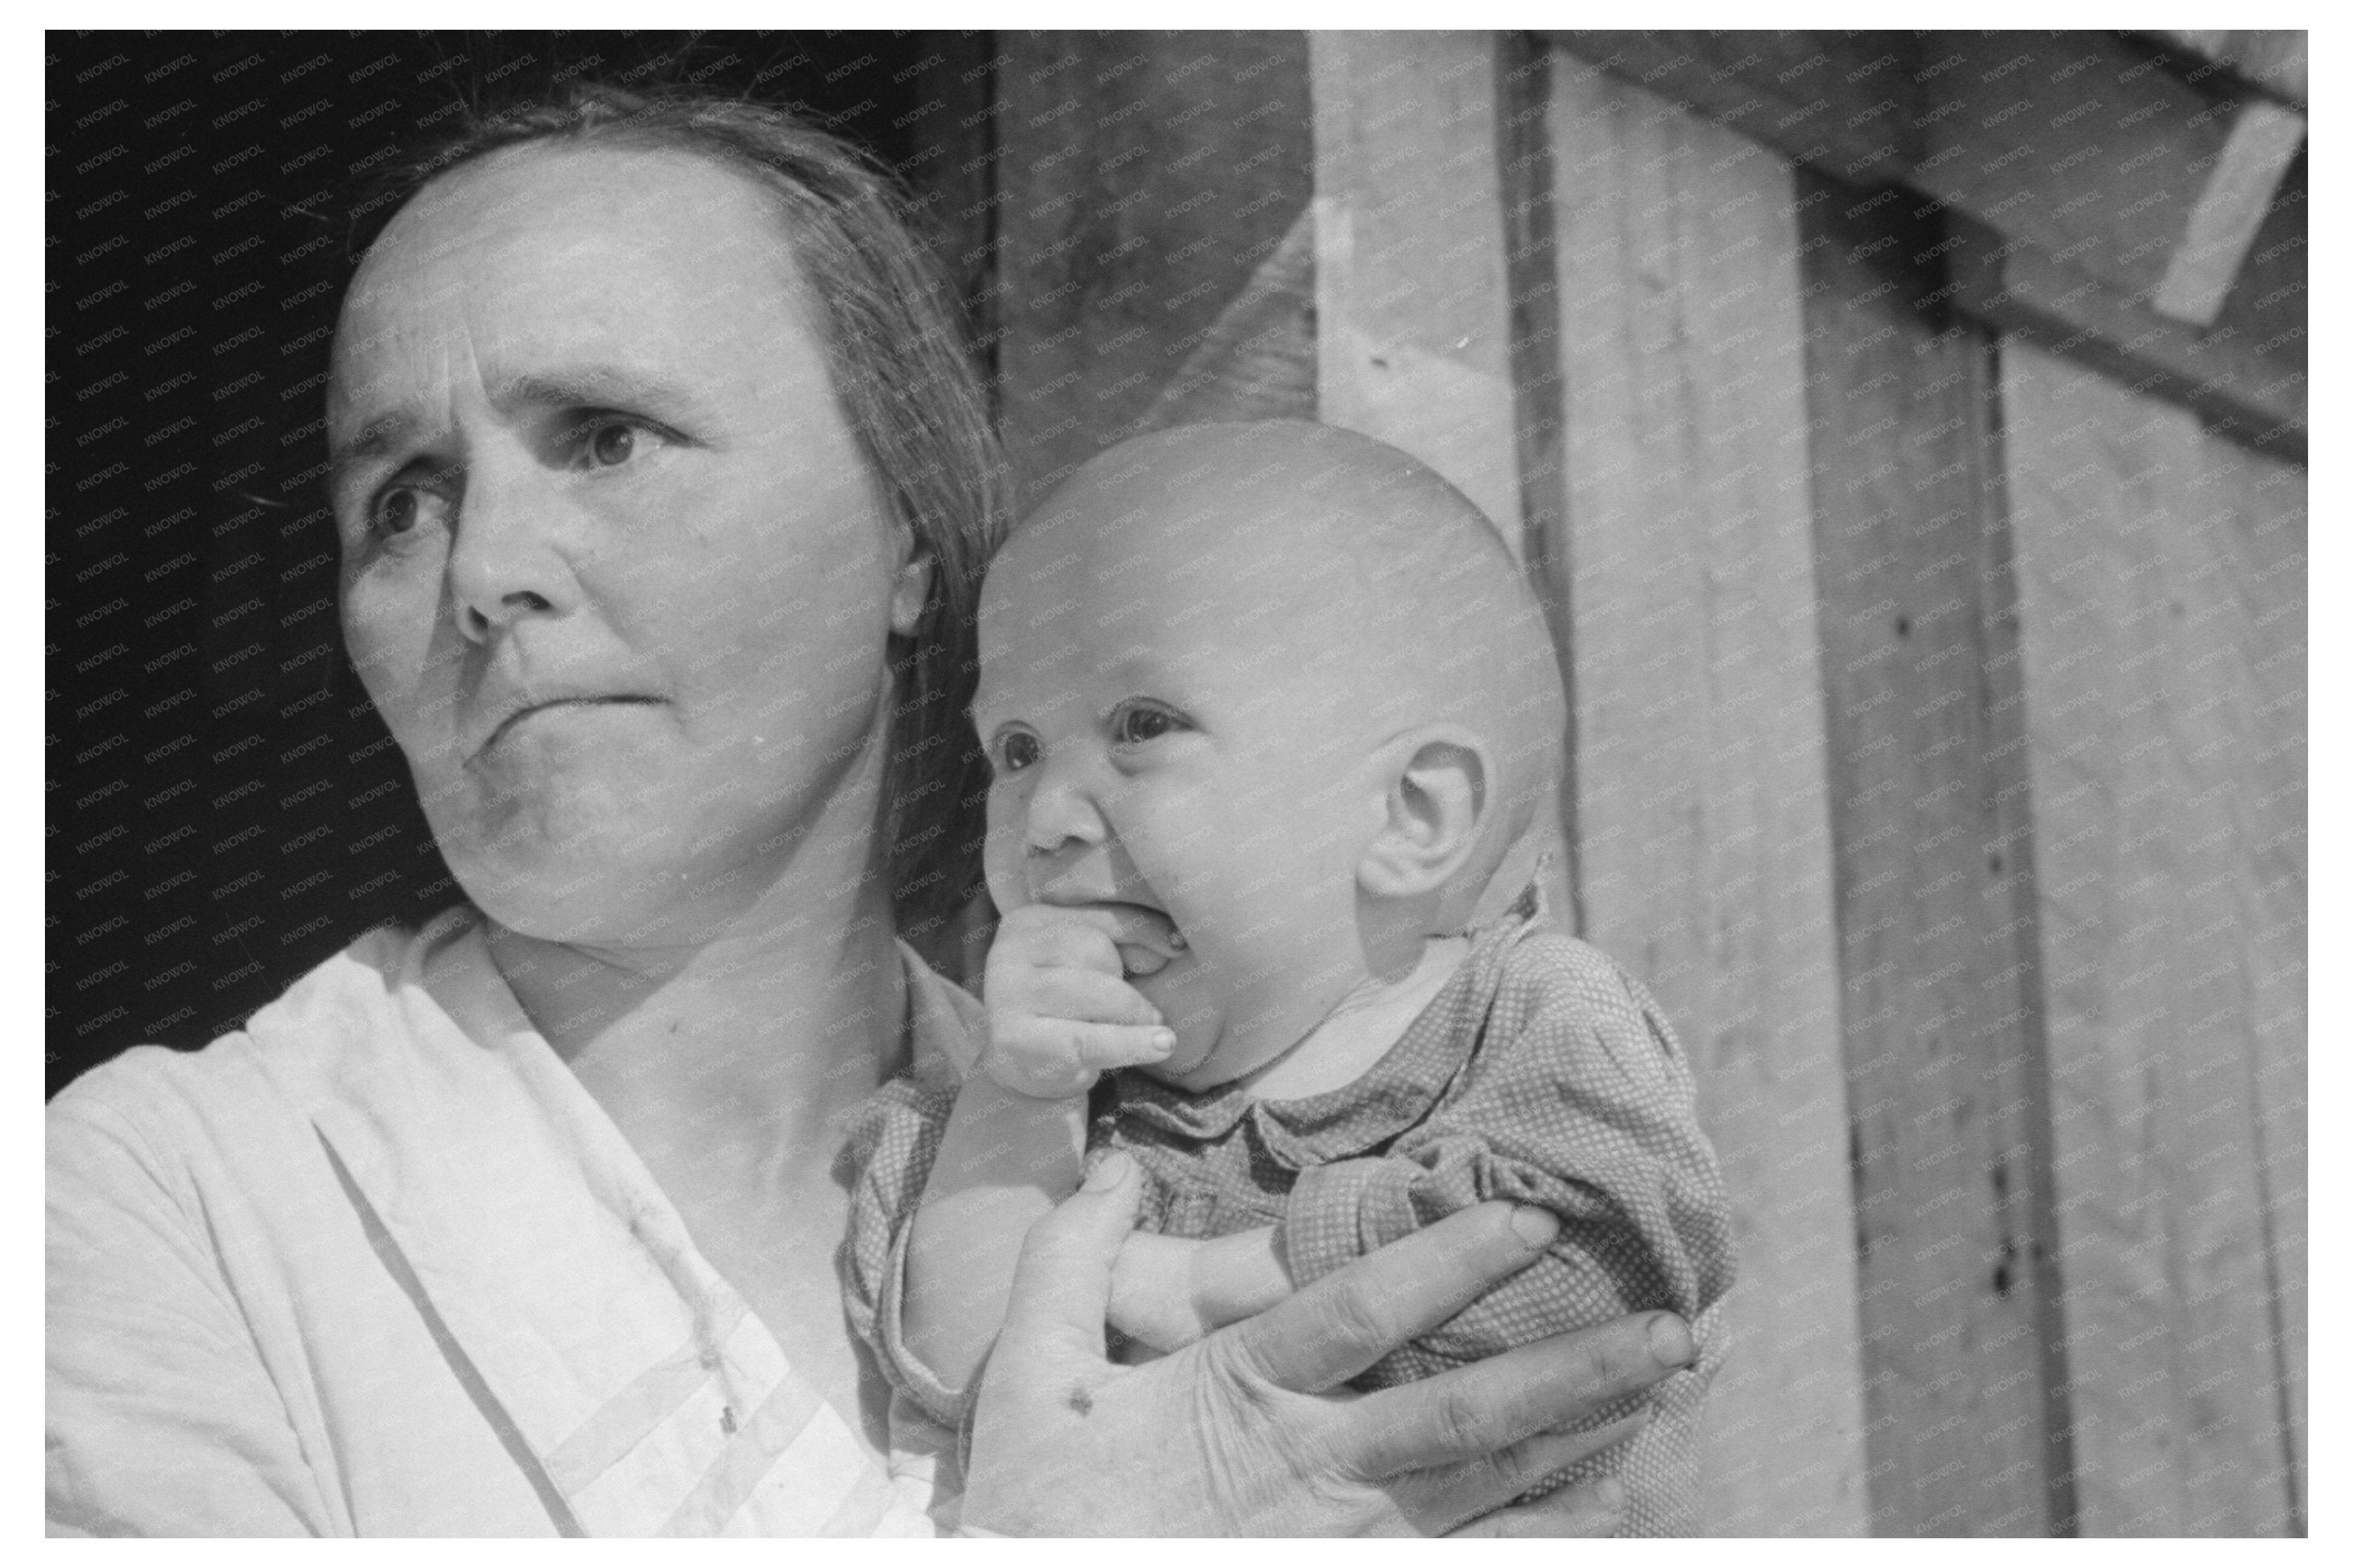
column 1395, row 1093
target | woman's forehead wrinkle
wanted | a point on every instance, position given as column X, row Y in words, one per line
column 567, row 272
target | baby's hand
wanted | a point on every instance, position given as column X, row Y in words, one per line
column 1060, row 1010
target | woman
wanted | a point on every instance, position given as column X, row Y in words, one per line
column 662, row 490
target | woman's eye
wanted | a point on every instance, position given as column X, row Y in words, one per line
column 396, row 513
column 400, row 511
column 1132, row 726
column 611, row 446
column 1016, row 752
column 607, row 441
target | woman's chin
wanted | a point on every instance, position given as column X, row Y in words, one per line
column 596, row 890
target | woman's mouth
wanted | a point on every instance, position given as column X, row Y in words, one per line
column 524, row 713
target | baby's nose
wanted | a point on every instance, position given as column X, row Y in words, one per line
column 1062, row 815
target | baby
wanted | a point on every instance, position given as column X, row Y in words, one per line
column 1269, row 707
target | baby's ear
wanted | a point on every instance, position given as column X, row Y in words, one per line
column 1436, row 801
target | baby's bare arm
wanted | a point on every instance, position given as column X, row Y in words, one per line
column 1005, row 1160
column 1059, row 1012
column 1166, row 1293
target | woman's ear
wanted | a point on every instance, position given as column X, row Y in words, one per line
column 911, row 591
column 1436, row 801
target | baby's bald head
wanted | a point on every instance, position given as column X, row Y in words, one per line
column 1320, row 563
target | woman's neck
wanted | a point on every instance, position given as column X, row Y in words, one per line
column 757, row 1041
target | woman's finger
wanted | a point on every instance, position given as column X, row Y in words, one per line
column 1450, row 1494
column 1475, row 1411
column 1594, row 1508
column 1348, row 1319
column 1061, row 1285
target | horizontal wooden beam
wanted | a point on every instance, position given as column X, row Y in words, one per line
column 2079, row 148
column 2018, row 288
column 2080, row 144
column 2271, row 60
column 1847, row 103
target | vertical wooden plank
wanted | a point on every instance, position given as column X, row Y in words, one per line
column 1524, row 93
column 1963, row 1382
column 1413, row 314
column 1412, row 318
column 1701, row 810
column 1144, row 181
column 2162, row 623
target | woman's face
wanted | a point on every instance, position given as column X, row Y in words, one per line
column 614, row 569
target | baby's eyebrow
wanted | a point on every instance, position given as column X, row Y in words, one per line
column 984, row 712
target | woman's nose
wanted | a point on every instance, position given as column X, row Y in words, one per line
column 506, row 559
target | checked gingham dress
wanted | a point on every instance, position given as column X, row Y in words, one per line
column 1541, row 1073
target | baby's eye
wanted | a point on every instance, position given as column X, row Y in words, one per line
column 1135, row 722
column 1016, row 752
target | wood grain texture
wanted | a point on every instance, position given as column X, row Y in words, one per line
column 1143, row 178
column 2162, row 615
column 1257, row 360
column 2276, row 61
column 2085, row 157
column 1412, row 317
column 1847, row 102
column 2077, row 142
column 2265, row 139
column 1701, row 808
column 2257, row 393
column 1965, row 1383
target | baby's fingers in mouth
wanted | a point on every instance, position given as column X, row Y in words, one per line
column 1147, row 940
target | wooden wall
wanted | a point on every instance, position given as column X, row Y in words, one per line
column 1937, row 701
column 1703, row 814
column 2162, row 614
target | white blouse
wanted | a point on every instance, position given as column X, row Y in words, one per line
column 378, row 1264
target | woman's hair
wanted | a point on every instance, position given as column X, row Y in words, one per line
column 897, row 350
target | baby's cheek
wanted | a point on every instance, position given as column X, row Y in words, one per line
column 1001, row 856
column 1186, row 995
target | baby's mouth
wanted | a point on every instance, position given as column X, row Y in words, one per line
column 1147, row 940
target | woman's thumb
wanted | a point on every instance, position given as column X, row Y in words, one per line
column 1061, row 1287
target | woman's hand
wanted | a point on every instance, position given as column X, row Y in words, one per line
column 1250, row 1431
